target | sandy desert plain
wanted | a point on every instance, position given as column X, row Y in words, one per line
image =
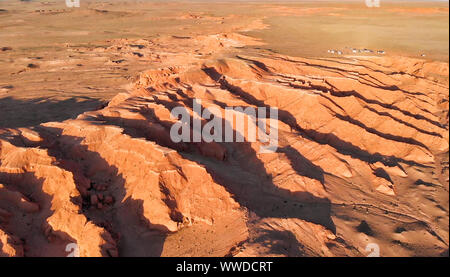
column 86, row 156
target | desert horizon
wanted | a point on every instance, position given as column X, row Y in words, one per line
column 224, row 129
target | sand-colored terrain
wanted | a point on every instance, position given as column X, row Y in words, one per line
column 86, row 155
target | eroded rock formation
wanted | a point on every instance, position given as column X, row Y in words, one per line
column 362, row 158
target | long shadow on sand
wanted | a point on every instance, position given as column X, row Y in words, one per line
column 15, row 113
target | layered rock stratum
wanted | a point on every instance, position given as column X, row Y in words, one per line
column 362, row 158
